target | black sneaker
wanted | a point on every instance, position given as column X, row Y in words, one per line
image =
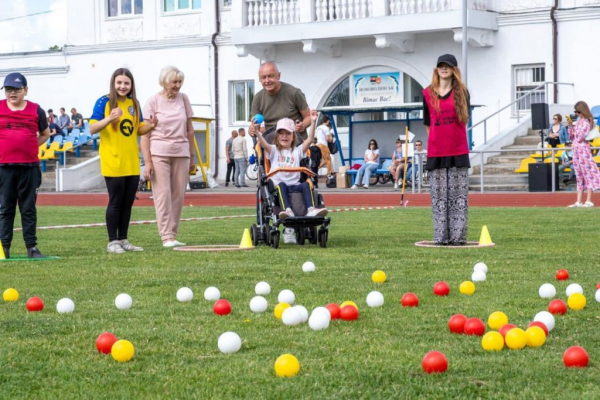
column 6, row 252
column 33, row 252
column 226, row 184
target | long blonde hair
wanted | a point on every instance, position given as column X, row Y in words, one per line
column 460, row 94
column 584, row 109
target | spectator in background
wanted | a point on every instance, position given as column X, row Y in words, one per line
column 51, row 116
column 316, row 161
column 558, row 133
column 419, row 160
column 370, row 165
column 397, row 167
column 64, row 122
column 586, row 170
column 566, row 161
column 230, row 161
column 23, row 128
column 169, row 152
column 323, row 138
column 77, row 120
column 240, row 156
column 56, row 133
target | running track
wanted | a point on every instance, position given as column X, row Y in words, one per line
column 331, row 199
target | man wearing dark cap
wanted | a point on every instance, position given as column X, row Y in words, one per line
column 23, row 128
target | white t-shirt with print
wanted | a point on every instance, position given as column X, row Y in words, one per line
column 369, row 154
column 321, row 134
column 285, row 158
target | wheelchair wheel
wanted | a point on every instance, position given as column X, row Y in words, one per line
column 254, row 234
column 275, row 239
column 373, row 180
column 312, row 237
column 266, row 234
column 323, row 238
column 385, row 178
column 252, row 172
column 300, row 236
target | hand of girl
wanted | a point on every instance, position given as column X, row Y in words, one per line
column 153, row 121
column 115, row 114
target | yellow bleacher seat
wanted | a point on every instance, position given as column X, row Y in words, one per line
column 597, row 159
column 67, row 146
column 47, row 155
column 548, row 160
column 524, row 168
column 54, row 146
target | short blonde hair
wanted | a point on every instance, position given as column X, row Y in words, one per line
column 167, row 75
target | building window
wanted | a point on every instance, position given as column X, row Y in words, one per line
column 226, row 3
column 182, row 5
column 242, row 94
column 118, row 8
column 528, row 79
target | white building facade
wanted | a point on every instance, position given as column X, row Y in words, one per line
column 320, row 46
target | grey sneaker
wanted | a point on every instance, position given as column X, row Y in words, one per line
column 33, row 252
column 129, row 247
column 115, row 247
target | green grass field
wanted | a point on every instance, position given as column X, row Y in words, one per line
column 51, row 355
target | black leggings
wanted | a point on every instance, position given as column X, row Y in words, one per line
column 121, row 195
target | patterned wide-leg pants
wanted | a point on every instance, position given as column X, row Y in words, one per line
column 450, row 205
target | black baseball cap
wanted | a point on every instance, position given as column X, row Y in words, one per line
column 15, row 80
column 447, row 59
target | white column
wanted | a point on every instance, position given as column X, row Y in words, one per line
column 239, row 14
column 307, row 10
column 381, row 8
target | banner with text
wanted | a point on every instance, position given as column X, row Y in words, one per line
column 377, row 88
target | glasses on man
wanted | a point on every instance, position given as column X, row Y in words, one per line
column 13, row 90
column 419, row 144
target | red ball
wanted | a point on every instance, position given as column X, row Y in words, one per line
column 557, row 307
column 456, row 323
column 505, row 328
column 576, row 356
column 34, row 304
column 410, row 300
column 540, row 324
column 105, row 341
column 334, row 310
column 222, row 307
column 474, row 326
column 441, row 289
column 349, row 313
column 598, row 286
column 562, row 275
column 435, row 361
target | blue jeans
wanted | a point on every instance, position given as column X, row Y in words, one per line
column 366, row 169
column 285, row 190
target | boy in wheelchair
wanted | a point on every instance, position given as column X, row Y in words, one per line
column 285, row 155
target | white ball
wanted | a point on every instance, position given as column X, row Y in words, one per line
column 229, row 343
column 123, row 301
column 374, row 299
column 546, row 318
column 185, row 294
column 480, row 267
column 303, row 313
column 65, row 305
column 212, row 294
column 574, row 288
column 598, row 295
column 308, row 266
column 291, row 316
column 258, row 304
column 478, row 276
column 318, row 322
column 286, row 296
column 322, row 312
column 547, row 291
column 262, row 288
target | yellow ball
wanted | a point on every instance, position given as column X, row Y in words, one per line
column 497, row 320
column 467, row 287
column 287, row 366
column 379, row 276
column 279, row 309
column 10, row 294
column 576, row 301
column 492, row 341
column 348, row 303
column 535, row 336
column 122, row 350
column 516, row 339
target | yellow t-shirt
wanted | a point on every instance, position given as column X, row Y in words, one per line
column 119, row 151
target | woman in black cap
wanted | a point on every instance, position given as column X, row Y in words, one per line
column 445, row 116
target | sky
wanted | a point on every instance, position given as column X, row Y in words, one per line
column 32, row 25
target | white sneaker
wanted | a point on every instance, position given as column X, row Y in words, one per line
column 365, row 186
column 289, row 236
column 354, row 187
column 287, row 213
column 173, row 243
column 129, row 247
column 395, row 185
column 115, row 247
column 317, row 212
column 588, row 204
column 577, row 204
